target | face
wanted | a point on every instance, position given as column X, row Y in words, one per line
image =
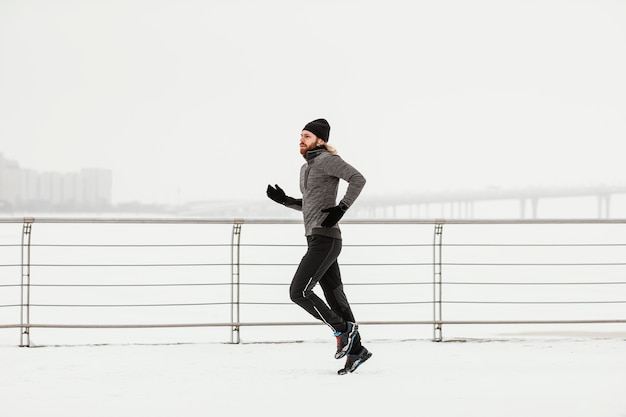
column 308, row 141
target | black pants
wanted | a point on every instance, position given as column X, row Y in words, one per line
column 319, row 265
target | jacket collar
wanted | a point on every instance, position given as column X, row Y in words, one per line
column 315, row 152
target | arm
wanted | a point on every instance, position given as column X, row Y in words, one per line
column 356, row 181
column 294, row 203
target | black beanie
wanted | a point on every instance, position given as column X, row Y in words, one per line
column 319, row 128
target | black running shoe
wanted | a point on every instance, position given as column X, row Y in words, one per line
column 345, row 339
column 354, row 361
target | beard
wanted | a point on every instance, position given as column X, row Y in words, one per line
column 304, row 149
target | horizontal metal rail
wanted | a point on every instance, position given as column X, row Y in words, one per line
column 230, row 221
column 308, row 323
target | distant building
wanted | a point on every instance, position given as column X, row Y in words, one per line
column 10, row 182
column 88, row 189
column 95, row 187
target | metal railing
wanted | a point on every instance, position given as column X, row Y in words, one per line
column 79, row 273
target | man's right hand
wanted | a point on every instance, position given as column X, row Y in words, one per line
column 277, row 194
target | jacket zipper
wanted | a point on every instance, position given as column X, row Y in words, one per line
column 306, row 176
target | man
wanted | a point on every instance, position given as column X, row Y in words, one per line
column 319, row 181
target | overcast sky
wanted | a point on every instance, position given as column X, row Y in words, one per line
column 205, row 100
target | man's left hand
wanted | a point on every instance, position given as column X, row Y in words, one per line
column 334, row 215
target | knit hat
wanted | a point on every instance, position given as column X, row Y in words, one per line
column 319, row 128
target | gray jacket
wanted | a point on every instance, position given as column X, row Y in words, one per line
column 319, row 183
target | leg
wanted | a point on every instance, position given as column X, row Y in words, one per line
column 321, row 254
column 333, row 292
column 337, row 300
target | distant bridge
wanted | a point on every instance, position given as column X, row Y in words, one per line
column 460, row 204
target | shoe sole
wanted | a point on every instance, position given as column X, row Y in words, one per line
column 346, row 348
column 356, row 364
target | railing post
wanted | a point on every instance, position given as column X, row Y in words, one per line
column 235, row 287
column 25, row 285
column 437, row 283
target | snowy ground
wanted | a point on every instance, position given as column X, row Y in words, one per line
column 507, row 377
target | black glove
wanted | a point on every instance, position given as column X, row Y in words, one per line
column 277, row 194
column 334, row 215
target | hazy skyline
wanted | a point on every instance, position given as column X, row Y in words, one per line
column 196, row 100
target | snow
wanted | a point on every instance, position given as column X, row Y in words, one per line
column 471, row 377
